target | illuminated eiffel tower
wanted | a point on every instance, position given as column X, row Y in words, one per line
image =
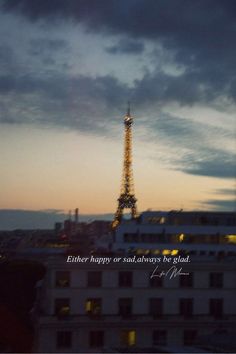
column 126, row 199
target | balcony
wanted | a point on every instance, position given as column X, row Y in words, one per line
column 139, row 320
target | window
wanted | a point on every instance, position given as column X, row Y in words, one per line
column 62, row 307
column 159, row 337
column 155, row 282
column 93, row 306
column 128, row 338
column 64, row 339
column 131, row 237
column 216, row 280
column 189, row 336
column 156, row 307
column 186, row 307
column 216, row 307
column 186, row 281
column 96, row 339
column 125, row 279
column 94, row 279
column 125, row 307
column 62, row 279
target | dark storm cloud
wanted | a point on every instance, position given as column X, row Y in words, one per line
column 200, row 35
column 225, row 191
column 126, row 46
column 210, row 162
column 229, row 203
column 87, row 104
column 198, row 26
column 159, row 17
column 41, row 46
column 76, row 102
column 193, row 143
column 7, row 60
column 221, row 205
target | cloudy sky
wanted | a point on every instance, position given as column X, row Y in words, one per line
column 67, row 70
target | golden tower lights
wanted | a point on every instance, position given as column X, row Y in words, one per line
column 126, row 199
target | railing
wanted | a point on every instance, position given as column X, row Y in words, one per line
column 139, row 319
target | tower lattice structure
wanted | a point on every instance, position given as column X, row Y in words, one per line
column 127, row 198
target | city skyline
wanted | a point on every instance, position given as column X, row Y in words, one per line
column 67, row 72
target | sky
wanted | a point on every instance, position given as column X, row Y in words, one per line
column 67, row 70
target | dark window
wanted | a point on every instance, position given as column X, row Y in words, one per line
column 62, row 279
column 125, row 279
column 155, row 282
column 125, row 307
column 96, row 339
column 131, row 237
column 216, row 280
column 186, row 281
column 93, row 306
column 189, row 336
column 144, row 237
column 94, row 279
column 216, row 307
column 186, row 307
column 159, row 337
column 62, row 307
column 156, row 307
column 64, row 339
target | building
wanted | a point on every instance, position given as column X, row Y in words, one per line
column 195, row 232
column 84, row 306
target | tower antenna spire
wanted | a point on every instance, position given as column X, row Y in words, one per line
column 128, row 108
column 127, row 198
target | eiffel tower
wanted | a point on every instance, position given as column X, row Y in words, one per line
column 126, row 199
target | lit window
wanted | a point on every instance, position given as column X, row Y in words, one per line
column 128, row 338
column 231, row 238
column 166, row 252
column 162, row 220
column 155, row 251
column 140, row 251
column 93, row 306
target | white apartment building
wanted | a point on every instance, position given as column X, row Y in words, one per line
column 198, row 232
column 86, row 307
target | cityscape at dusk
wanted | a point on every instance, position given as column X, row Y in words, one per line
column 67, row 72
column 118, row 176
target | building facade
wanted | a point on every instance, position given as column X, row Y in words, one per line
column 199, row 232
column 121, row 307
